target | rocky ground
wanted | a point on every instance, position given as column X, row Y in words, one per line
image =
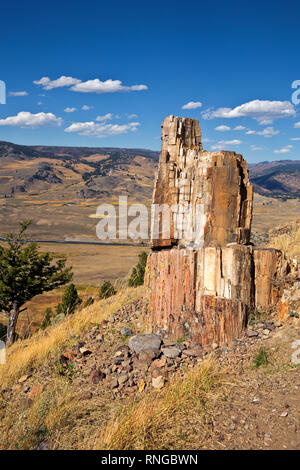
column 115, row 362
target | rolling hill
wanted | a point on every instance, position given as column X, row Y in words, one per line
column 61, row 187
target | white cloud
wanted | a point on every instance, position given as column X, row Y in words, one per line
column 192, row 105
column 239, row 128
column 297, row 125
column 93, row 129
column 108, row 86
column 263, row 111
column 286, row 149
column 295, row 138
column 69, row 110
column 222, row 128
column 85, row 107
column 222, row 144
column 27, row 120
column 267, row 132
column 254, row 148
column 89, row 86
column 18, row 93
column 131, row 116
column 106, row 117
column 60, row 82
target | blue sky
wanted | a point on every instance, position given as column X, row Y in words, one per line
column 130, row 64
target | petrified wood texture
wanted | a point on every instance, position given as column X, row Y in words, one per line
column 216, row 182
column 183, row 292
column 203, row 287
column 271, row 266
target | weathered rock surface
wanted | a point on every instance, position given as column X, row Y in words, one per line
column 215, row 184
column 147, row 342
column 205, row 286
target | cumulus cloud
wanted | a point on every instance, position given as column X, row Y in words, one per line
column 255, row 148
column 106, row 117
column 18, row 93
column 93, row 129
column 263, row 111
column 69, row 110
column 239, row 128
column 85, row 107
column 222, row 128
column 295, row 138
column 131, row 116
column 192, row 105
column 108, row 86
column 26, row 119
column 297, row 125
column 267, row 132
column 223, row 144
column 286, row 149
column 60, row 82
column 89, row 86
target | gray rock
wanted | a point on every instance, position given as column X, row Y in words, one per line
column 171, row 352
column 251, row 333
column 126, row 332
column 141, row 343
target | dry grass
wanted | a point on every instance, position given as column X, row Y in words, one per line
column 176, row 417
column 289, row 242
column 45, row 344
column 50, row 413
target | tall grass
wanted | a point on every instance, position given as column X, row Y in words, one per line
column 162, row 420
column 45, row 344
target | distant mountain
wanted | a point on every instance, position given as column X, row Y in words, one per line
column 76, row 172
column 79, row 173
column 276, row 179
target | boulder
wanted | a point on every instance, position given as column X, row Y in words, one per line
column 147, row 342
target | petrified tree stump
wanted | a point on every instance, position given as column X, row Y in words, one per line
column 203, row 276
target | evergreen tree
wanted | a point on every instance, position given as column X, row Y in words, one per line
column 25, row 273
column 70, row 301
column 138, row 273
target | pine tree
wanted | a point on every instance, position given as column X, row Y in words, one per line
column 70, row 301
column 138, row 273
column 25, row 273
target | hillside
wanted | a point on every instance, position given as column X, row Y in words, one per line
column 78, row 385
column 276, row 179
column 61, row 187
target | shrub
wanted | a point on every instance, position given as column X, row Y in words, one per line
column 106, row 290
column 261, row 359
column 89, row 301
column 138, row 273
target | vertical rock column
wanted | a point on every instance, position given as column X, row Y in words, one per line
column 199, row 277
